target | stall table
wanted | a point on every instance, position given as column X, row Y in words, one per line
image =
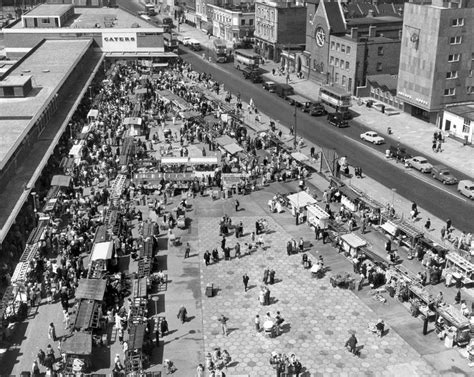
column 458, row 264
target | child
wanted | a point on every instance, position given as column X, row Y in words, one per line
column 257, row 323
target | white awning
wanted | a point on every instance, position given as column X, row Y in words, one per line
column 389, row 227
column 211, row 160
column 76, row 150
column 301, row 199
column 353, row 240
column 133, row 120
column 317, row 211
column 93, row 113
column 298, row 156
column 174, row 160
column 233, row 148
column 102, row 251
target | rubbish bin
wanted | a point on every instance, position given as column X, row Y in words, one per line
column 210, row 290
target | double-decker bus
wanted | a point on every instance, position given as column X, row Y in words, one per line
column 246, row 58
column 170, row 41
column 220, row 49
column 150, row 9
column 336, row 98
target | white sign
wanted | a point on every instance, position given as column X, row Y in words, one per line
column 119, row 41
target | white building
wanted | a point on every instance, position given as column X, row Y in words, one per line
column 233, row 23
column 458, row 121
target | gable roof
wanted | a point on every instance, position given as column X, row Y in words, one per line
column 335, row 17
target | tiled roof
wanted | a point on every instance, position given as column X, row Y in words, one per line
column 385, row 82
column 335, row 17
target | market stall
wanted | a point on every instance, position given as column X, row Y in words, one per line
column 316, row 216
column 77, row 349
column 459, row 268
column 233, row 148
column 139, row 287
column 76, row 151
column 135, row 358
column 351, row 242
column 300, row 201
column 67, row 164
column 91, row 289
column 421, row 300
column 454, row 326
column 204, row 166
column 87, row 315
column 134, row 126
column 100, row 258
column 349, row 198
column 371, row 208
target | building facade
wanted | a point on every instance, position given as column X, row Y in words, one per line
column 436, row 59
column 279, row 26
column 233, row 23
column 458, row 121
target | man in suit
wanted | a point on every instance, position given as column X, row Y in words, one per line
column 245, row 280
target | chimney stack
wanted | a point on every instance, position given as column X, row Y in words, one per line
column 372, row 31
column 354, row 32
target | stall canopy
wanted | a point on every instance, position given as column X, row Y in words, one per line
column 211, row 160
column 298, row 156
column 102, row 250
column 132, row 121
column 75, row 150
column 390, row 227
column 91, row 289
column 135, row 338
column 92, row 114
column 61, row 180
column 301, row 199
column 174, row 160
column 233, row 148
column 225, row 140
column 349, row 194
column 353, row 240
column 80, row 343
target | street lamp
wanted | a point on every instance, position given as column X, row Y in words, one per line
column 294, row 130
column 33, row 194
column 394, row 190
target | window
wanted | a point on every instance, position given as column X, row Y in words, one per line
column 343, row 82
column 342, row 64
column 348, row 49
column 333, row 45
column 251, row 22
column 449, row 92
column 457, row 22
column 454, row 57
column 343, row 48
column 470, row 73
column 452, row 75
column 242, row 22
column 349, row 86
column 472, row 55
column 470, row 89
column 347, row 65
column 337, row 62
column 455, row 40
column 379, row 66
column 338, row 47
column 331, row 60
column 336, row 77
column 466, row 128
column 380, row 51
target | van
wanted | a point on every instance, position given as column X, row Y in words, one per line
column 194, row 45
column 337, row 120
column 252, row 74
column 466, row 187
column 269, row 86
column 314, row 108
column 284, row 90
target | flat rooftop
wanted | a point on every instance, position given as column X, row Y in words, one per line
column 49, row 10
column 93, row 18
column 49, row 65
column 13, row 80
column 465, row 111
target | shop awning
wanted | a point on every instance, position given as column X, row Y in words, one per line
column 389, row 227
column 93, row 113
column 80, row 343
column 132, row 120
column 91, row 289
column 61, row 180
column 301, row 199
column 317, row 211
column 298, row 156
column 353, row 240
column 102, row 250
column 225, row 140
column 349, row 194
column 174, row 160
column 233, row 148
column 211, row 160
column 140, row 54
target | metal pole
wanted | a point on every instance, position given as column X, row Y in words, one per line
column 294, row 142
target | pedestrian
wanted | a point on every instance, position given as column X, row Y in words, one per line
column 428, row 224
column 388, row 246
column 200, row 370
column 41, row 356
column 164, row 327
column 438, row 147
column 457, row 298
column 157, row 338
column 312, row 151
column 118, row 367
column 52, row 332
column 245, row 280
column 207, row 257
column 266, row 274
column 237, row 250
column 182, row 314
column 187, row 250
column 257, row 323
column 271, row 277
column 67, row 320
column 433, row 147
column 35, row 371
column 236, row 204
column 223, row 320
column 448, row 224
column 278, row 322
column 325, row 236
column 301, row 245
column 351, row 344
column 120, row 335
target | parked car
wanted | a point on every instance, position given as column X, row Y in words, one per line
column 372, row 137
column 297, row 100
column 184, row 40
column 269, row 85
column 336, row 119
column 443, row 174
column 399, row 153
column 284, row 90
column 419, row 163
column 252, row 74
column 314, row 108
column 466, row 187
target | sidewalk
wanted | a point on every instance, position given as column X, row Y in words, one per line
column 410, row 131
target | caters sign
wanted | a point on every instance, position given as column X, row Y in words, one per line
column 119, row 39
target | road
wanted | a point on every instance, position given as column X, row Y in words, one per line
column 441, row 201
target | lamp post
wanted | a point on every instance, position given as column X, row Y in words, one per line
column 394, row 190
column 33, row 194
column 294, row 141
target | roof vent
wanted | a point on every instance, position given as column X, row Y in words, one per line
column 45, row 70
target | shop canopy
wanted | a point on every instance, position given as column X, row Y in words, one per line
column 298, row 156
column 225, row 140
column 61, row 180
column 390, row 227
column 301, row 199
column 102, row 251
column 132, row 121
column 92, row 114
column 317, row 211
column 91, row 289
column 233, row 148
column 353, row 240
column 174, row 160
column 210, row 160
column 80, row 343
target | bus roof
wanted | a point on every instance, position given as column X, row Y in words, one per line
column 336, row 90
column 248, row 52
